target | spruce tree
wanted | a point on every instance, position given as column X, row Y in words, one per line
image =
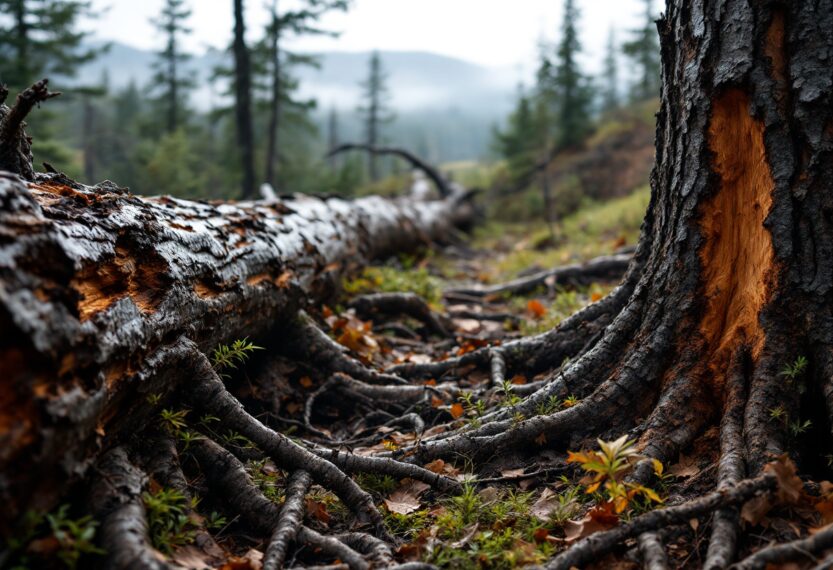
column 569, row 87
column 39, row 38
column 643, row 50
column 243, row 102
column 273, row 62
column 169, row 78
column 375, row 110
column 610, row 75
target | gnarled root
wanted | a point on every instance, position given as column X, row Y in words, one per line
column 608, row 268
column 116, row 500
column 409, row 304
column 602, row 543
column 798, row 550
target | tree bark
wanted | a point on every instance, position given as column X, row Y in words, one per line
column 732, row 280
column 97, row 285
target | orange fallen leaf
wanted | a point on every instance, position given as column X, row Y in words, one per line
column 318, row 510
column 595, row 296
column 518, row 379
column 536, row 308
column 305, row 381
column 457, row 410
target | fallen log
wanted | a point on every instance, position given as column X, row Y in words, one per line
column 97, row 286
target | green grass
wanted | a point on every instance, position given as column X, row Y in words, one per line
column 593, row 230
column 387, row 279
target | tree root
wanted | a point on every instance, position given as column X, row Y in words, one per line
column 601, row 543
column 652, row 551
column 116, row 501
column 803, row 550
column 608, row 268
column 408, row 304
column 730, row 470
column 209, row 394
column 291, row 517
column 333, row 548
column 309, row 343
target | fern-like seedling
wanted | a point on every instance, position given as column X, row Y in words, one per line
column 228, row 357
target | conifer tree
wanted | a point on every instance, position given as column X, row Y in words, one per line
column 375, row 110
column 570, row 89
column 610, row 75
column 276, row 64
column 643, row 50
column 40, row 38
column 169, row 78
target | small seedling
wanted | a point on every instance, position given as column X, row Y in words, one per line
column 228, row 357
column 169, row 525
column 173, row 421
column 607, row 468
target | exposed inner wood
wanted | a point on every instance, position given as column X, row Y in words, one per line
column 737, row 256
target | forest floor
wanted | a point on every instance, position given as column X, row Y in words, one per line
column 505, row 516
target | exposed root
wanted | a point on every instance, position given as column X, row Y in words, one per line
column 802, row 550
column 601, row 543
column 652, row 551
column 115, row 500
column 309, row 343
column 333, row 547
column 377, row 551
column 408, row 304
column 163, row 464
column 209, row 393
column 608, row 268
column 536, row 353
column 290, row 519
column 731, row 469
column 353, row 463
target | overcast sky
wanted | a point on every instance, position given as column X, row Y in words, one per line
column 490, row 32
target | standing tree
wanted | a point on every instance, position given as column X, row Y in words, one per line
column 169, row 77
column 561, row 83
column 610, row 75
column 723, row 318
column 643, row 49
column 375, row 111
column 40, row 38
column 243, row 102
column 277, row 63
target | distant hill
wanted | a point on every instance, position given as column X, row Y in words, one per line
column 444, row 105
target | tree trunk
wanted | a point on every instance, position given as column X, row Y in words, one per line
column 732, row 281
column 97, row 285
column 243, row 102
column 272, row 149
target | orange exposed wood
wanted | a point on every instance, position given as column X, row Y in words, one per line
column 737, row 256
column 99, row 286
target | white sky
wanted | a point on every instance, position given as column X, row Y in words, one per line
column 490, row 32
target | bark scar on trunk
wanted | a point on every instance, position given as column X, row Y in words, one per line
column 737, row 257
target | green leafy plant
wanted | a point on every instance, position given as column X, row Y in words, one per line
column 228, row 357
column 169, row 525
column 606, row 469
column 74, row 536
column 796, row 369
column 173, row 420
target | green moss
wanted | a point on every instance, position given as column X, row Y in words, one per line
column 387, row 279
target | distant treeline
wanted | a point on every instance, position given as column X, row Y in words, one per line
column 150, row 138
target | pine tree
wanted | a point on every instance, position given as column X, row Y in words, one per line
column 521, row 141
column 273, row 61
column 561, row 83
column 40, row 38
column 375, row 111
column 169, row 77
column 243, row 101
column 610, row 75
column 643, row 50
